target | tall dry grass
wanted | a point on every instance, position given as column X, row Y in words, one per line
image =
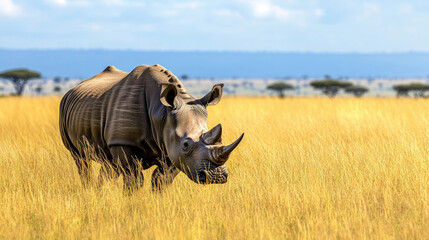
column 307, row 168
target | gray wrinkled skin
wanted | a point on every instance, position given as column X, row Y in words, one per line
column 132, row 121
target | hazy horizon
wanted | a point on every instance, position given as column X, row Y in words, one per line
column 221, row 64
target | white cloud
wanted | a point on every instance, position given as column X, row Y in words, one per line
column 8, row 8
column 185, row 6
column 81, row 3
column 266, row 9
column 179, row 8
column 262, row 9
column 319, row 12
column 126, row 3
column 406, row 9
column 58, row 2
column 189, row 5
column 114, row 2
column 169, row 12
column 226, row 13
column 95, row 26
column 369, row 10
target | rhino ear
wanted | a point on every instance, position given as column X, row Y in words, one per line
column 168, row 95
column 213, row 97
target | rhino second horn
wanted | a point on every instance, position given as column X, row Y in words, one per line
column 213, row 136
column 220, row 155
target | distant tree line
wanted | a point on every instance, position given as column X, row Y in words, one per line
column 331, row 87
column 328, row 86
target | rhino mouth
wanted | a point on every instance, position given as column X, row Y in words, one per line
column 217, row 175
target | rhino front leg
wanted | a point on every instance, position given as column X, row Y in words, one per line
column 129, row 164
column 107, row 172
column 84, row 169
column 163, row 176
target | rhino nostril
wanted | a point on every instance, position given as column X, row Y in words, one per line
column 202, row 177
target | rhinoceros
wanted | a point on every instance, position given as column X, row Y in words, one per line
column 136, row 120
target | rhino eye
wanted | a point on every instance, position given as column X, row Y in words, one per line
column 186, row 145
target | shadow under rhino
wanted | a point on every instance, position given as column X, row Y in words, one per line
column 139, row 119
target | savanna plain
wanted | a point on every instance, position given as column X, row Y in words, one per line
column 312, row 168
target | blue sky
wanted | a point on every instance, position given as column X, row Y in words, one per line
column 234, row 25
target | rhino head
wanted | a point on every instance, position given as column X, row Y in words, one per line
column 191, row 147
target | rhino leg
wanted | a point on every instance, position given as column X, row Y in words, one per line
column 84, row 169
column 107, row 172
column 163, row 176
column 129, row 164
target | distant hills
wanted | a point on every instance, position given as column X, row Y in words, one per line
column 196, row 64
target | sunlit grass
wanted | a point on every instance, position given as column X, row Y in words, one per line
column 307, row 168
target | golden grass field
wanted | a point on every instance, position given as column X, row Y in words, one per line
column 312, row 168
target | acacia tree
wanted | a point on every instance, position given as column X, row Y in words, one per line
column 279, row 87
column 38, row 89
column 19, row 78
column 330, row 87
column 184, row 77
column 57, row 89
column 418, row 89
column 402, row 90
column 357, row 91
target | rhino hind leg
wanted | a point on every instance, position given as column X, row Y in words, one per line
column 129, row 165
column 163, row 176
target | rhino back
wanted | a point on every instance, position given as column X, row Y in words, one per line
column 116, row 108
column 83, row 109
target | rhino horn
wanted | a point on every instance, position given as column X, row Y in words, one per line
column 220, row 155
column 213, row 136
